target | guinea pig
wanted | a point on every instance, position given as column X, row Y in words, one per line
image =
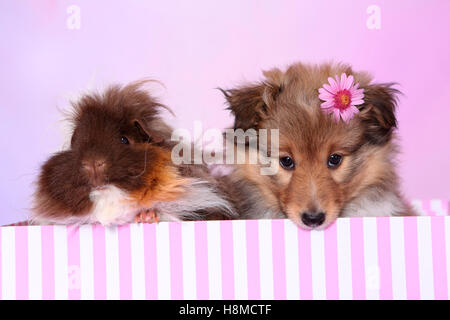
column 118, row 168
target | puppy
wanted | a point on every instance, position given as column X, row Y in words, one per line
column 329, row 164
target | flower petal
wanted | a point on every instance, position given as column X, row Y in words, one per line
column 357, row 91
column 358, row 95
column 349, row 82
column 346, row 116
column 358, row 98
column 334, row 85
column 343, row 78
column 328, row 110
column 328, row 88
column 339, row 82
column 343, row 81
column 323, row 90
column 354, row 109
column 327, row 104
column 357, row 102
column 326, row 96
column 336, row 114
column 349, row 113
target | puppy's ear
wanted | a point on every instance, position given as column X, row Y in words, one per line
column 252, row 103
column 247, row 105
column 378, row 112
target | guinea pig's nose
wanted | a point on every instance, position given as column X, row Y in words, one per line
column 313, row 219
column 95, row 170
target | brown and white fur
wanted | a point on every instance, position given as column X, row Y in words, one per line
column 364, row 184
column 118, row 168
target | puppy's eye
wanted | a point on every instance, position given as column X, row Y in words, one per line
column 124, row 140
column 287, row 163
column 334, row 160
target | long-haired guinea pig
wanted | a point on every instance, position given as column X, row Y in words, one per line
column 118, row 168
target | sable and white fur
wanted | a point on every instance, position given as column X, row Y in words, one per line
column 364, row 184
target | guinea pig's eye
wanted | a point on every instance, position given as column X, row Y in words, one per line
column 334, row 160
column 124, row 140
column 287, row 163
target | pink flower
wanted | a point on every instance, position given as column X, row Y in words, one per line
column 341, row 97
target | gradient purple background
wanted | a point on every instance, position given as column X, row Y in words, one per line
column 195, row 46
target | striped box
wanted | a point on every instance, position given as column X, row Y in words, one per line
column 434, row 207
column 356, row 258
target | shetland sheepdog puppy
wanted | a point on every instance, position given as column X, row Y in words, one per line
column 332, row 162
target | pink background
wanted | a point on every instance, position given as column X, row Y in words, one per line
column 196, row 46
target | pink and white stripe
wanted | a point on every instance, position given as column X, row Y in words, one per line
column 433, row 207
column 356, row 258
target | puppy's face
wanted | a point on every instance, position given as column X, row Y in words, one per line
column 323, row 164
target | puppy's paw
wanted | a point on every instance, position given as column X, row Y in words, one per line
column 147, row 216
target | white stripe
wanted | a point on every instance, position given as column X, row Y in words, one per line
column 438, row 207
column 34, row 263
column 86, row 262
column 61, row 262
column 240, row 260
column 163, row 260
column 291, row 245
column 188, row 254
column 318, row 265
column 425, row 258
column 447, row 252
column 137, row 261
column 112, row 263
column 8, row 263
column 344, row 259
column 398, row 258
column 265, row 258
column 372, row 269
column 418, row 206
column 214, row 260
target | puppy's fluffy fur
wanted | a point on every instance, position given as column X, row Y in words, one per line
column 364, row 184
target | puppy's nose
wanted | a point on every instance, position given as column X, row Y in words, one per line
column 95, row 170
column 313, row 219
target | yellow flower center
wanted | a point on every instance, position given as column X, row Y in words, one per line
column 345, row 99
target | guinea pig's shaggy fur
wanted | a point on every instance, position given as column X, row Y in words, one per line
column 119, row 165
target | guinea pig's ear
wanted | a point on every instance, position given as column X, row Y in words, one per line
column 378, row 112
column 252, row 103
column 147, row 134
